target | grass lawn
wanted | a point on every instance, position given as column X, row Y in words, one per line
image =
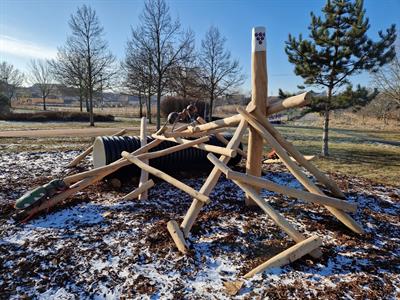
column 367, row 153
column 118, row 123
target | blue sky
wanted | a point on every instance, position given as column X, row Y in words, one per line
column 35, row 28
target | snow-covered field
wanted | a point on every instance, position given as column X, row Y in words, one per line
column 100, row 247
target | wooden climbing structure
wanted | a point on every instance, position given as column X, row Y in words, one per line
column 253, row 120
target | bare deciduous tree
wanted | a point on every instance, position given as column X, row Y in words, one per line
column 139, row 76
column 41, row 76
column 11, row 79
column 159, row 35
column 219, row 72
column 88, row 43
column 68, row 69
column 183, row 78
column 387, row 79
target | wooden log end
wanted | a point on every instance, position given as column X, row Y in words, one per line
column 232, row 288
column 288, row 256
column 177, row 235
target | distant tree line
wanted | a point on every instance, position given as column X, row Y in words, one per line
column 161, row 59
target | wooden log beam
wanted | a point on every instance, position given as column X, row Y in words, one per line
column 139, row 190
column 226, row 122
column 178, row 184
column 89, row 150
column 222, row 139
column 211, row 181
column 271, row 186
column 289, row 255
column 111, row 168
column 259, row 94
column 179, row 147
column 321, row 177
column 189, row 134
column 82, row 180
column 278, row 219
column 205, row 147
column 177, row 236
column 300, row 176
column 144, row 176
column 108, row 169
column 291, row 102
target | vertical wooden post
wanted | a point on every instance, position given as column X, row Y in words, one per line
column 144, row 176
column 259, row 93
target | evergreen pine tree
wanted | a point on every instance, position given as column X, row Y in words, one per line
column 338, row 47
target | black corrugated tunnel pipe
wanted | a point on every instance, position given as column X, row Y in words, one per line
column 107, row 149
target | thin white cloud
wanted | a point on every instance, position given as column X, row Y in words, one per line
column 26, row 49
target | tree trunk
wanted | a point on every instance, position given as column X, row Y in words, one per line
column 148, row 111
column 80, row 103
column 158, row 104
column 210, row 108
column 87, row 100
column 325, row 134
column 44, row 102
column 91, row 108
column 140, row 105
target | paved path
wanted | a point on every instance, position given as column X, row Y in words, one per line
column 64, row 132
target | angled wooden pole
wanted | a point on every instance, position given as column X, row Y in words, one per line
column 179, row 147
column 291, row 102
column 289, row 255
column 300, row 176
column 171, row 180
column 177, row 236
column 232, row 121
column 89, row 150
column 272, row 213
column 222, row 139
column 139, row 190
column 321, row 177
column 284, row 190
column 211, row 180
column 205, row 147
column 259, row 94
column 144, row 176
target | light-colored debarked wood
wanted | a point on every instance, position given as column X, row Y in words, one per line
column 139, row 190
column 300, row 176
column 108, row 169
column 291, row 102
column 226, row 122
column 166, row 151
column 80, row 181
column 178, row 184
column 276, row 217
column 211, row 181
column 272, row 213
column 111, row 168
column 275, row 161
column 89, row 150
column 144, row 176
column 177, row 236
column 223, row 140
column 271, row 186
column 188, row 134
column 289, row 255
column 205, row 147
column 321, row 177
column 259, row 95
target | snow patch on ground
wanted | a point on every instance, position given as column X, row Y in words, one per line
column 107, row 248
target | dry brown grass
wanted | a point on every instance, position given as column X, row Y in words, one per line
column 127, row 112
